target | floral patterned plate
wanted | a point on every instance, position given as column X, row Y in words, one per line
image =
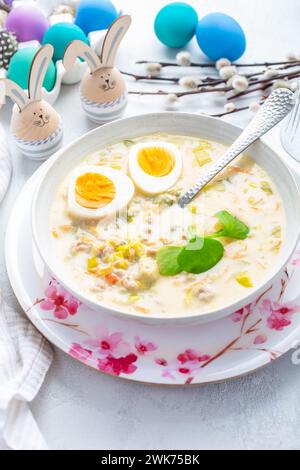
column 196, row 354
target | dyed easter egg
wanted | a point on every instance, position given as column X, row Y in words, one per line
column 27, row 22
column 220, row 35
column 94, row 15
column 60, row 35
column 175, row 24
column 19, row 69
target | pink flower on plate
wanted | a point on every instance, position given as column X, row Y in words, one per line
column 161, row 361
column 240, row 313
column 237, row 315
column 105, row 343
column 186, row 365
column 296, row 258
column 284, row 309
column 279, row 315
column 260, row 339
column 167, row 373
column 189, row 355
column 184, row 370
column 277, row 322
column 79, row 352
column 143, row 346
column 188, row 368
column 192, row 356
column 117, row 366
column 59, row 301
column 178, row 370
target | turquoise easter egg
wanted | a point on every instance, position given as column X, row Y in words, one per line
column 175, row 24
column 94, row 15
column 19, row 68
column 220, row 35
column 60, row 35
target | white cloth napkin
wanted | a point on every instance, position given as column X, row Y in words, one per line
column 25, row 357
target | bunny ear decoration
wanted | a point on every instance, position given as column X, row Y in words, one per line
column 113, row 38
column 38, row 71
column 14, row 91
column 80, row 49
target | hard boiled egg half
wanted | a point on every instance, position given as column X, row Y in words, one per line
column 98, row 191
column 154, row 166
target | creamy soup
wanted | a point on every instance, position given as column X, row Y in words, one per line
column 122, row 239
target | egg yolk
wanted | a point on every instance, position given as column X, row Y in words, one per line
column 93, row 190
column 156, row 161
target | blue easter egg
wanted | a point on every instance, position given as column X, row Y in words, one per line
column 94, row 15
column 220, row 35
column 60, row 35
column 175, row 24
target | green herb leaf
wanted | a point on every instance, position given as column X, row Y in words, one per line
column 167, row 260
column 200, row 255
column 232, row 227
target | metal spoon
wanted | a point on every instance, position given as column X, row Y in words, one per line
column 275, row 108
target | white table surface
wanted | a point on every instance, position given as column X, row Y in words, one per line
column 78, row 408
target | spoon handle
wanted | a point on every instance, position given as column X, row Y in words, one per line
column 275, row 108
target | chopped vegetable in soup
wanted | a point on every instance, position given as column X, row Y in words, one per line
column 122, row 239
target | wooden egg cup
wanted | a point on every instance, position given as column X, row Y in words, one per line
column 103, row 89
column 35, row 124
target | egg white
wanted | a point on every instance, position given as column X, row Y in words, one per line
column 154, row 184
column 123, row 186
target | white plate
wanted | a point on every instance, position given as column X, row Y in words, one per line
column 171, row 123
column 178, row 355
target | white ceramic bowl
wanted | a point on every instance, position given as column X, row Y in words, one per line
column 175, row 123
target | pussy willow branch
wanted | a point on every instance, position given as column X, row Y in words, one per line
column 205, row 80
column 236, row 110
column 210, row 84
column 225, row 113
column 212, row 64
column 179, row 94
column 267, row 82
column 251, row 90
column 246, row 92
column 148, row 77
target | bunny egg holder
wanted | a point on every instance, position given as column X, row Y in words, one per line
column 103, row 88
column 35, row 125
column 28, row 118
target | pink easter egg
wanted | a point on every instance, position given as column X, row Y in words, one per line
column 27, row 22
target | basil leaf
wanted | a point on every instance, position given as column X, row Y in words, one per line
column 200, row 255
column 232, row 227
column 167, row 260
